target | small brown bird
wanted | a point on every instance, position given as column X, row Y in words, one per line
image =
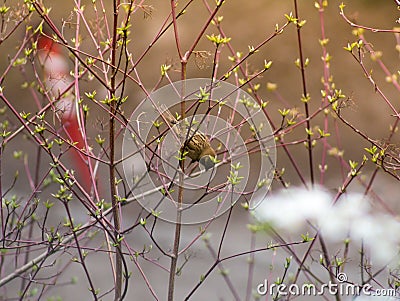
column 197, row 145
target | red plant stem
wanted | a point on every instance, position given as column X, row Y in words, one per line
column 305, row 93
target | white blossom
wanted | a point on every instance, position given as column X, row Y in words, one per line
column 292, row 207
column 349, row 217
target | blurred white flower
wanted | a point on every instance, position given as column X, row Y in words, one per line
column 380, row 234
column 341, row 217
column 290, row 208
column 350, row 217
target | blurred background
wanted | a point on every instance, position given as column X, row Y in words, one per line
column 248, row 24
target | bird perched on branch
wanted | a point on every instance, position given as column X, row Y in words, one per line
column 197, row 146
